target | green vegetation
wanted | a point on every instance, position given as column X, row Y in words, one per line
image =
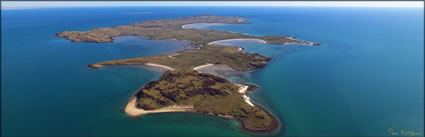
column 207, row 94
column 229, row 56
column 171, row 29
column 159, row 29
column 184, row 86
column 403, row 132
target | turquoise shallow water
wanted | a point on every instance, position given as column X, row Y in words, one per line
column 366, row 77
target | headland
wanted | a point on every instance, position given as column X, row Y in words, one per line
column 184, row 87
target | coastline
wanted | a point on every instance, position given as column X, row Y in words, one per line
column 246, row 125
column 241, row 39
column 276, row 129
column 159, row 66
column 243, row 90
column 309, row 43
column 202, row 66
column 132, row 110
column 215, row 69
column 278, row 124
column 203, row 24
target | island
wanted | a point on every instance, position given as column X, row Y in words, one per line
column 188, row 84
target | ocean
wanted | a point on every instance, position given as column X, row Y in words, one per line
column 366, row 76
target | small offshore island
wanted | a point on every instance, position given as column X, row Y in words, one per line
column 184, row 87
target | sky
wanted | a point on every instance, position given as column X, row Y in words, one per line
column 55, row 4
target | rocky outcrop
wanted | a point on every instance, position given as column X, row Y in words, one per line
column 175, row 86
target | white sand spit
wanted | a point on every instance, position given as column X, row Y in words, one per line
column 160, row 66
column 256, row 40
column 202, row 66
column 199, row 24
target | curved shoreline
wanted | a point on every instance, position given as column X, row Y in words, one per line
column 202, row 66
column 159, row 66
column 241, row 39
column 209, row 35
column 277, row 125
column 203, row 24
column 132, row 110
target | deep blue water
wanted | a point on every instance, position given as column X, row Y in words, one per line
column 367, row 75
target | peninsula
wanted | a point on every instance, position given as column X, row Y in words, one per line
column 185, row 87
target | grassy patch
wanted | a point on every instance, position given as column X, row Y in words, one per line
column 207, row 93
column 229, row 56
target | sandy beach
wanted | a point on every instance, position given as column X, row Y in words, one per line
column 132, row 110
column 160, row 66
column 202, row 66
column 243, row 89
column 214, row 69
column 201, row 24
column 255, row 40
column 248, row 100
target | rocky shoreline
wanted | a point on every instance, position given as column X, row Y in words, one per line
column 182, row 85
column 275, row 126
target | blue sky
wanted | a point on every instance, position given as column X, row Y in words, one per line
column 50, row 4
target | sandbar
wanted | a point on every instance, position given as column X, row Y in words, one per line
column 160, row 66
column 202, row 66
column 200, row 25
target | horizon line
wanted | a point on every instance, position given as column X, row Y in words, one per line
column 15, row 5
